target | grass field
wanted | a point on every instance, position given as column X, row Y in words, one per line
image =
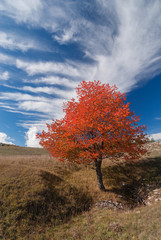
column 12, row 150
column 43, row 199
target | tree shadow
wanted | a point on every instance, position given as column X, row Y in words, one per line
column 57, row 202
column 133, row 181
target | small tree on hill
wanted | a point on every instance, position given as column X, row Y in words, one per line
column 98, row 125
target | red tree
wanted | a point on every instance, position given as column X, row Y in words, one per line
column 98, row 125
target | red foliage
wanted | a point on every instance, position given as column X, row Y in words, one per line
column 98, row 124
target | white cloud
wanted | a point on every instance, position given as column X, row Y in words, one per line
column 16, row 96
column 32, row 129
column 6, row 59
column 38, row 106
column 124, row 42
column 31, row 140
column 4, row 75
column 39, row 13
column 14, row 41
column 5, row 139
column 21, row 10
column 33, row 68
column 51, row 107
column 52, row 80
column 13, row 108
column 136, row 45
column 155, row 136
column 57, row 92
column 66, row 36
column 65, row 94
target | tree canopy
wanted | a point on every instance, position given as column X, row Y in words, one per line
column 97, row 124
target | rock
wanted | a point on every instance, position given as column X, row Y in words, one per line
column 109, row 204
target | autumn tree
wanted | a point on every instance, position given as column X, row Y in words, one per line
column 97, row 124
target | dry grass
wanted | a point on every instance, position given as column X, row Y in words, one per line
column 13, row 150
column 43, row 199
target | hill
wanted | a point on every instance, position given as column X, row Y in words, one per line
column 8, row 149
column 43, row 199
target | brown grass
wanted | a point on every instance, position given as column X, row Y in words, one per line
column 43, row 199
column 12, row 150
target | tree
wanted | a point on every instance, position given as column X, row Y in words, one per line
column 98, row 125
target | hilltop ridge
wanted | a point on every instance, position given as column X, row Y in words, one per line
column 9, row 149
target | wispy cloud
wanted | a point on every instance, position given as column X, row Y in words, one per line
column 38, row 13
column 4, row 75
column 33, row 68
column 6, row 59
column 52, row 108
column 54, row 80
column 16, row 96
column 50, row 90
column 22, row 11
column 124, row 43
column 13, row 41
column 54, row 91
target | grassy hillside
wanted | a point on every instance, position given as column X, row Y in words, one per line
column 9, row 150
column 43, row 199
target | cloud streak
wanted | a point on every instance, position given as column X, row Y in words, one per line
column 33, row 68
column 52, row 108
column 54, row 80
column 12, row 41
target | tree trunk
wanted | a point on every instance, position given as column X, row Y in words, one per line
column 98, row 163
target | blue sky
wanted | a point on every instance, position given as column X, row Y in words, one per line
column 48, row 46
